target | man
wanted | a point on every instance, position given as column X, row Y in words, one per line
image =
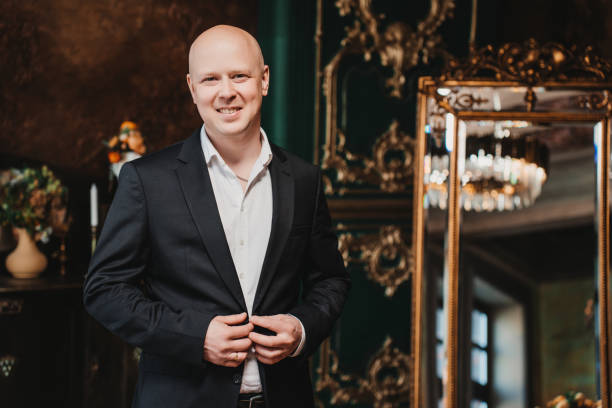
column 208, row 246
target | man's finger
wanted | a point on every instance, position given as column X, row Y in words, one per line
column 266, row 360
column 269, row 352
column 235, row 358
column 240, row 345
column 232, row 319
column 268, row 341
column 267, row 322
column 237, row 332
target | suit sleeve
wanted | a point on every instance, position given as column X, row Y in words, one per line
column 112, row 294
column 326, row 282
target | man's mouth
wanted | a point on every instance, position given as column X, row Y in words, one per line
column 228, row 110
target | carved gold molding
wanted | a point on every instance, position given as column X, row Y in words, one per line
column 376, row 252
column 398, row 47
column 378, row 388
column 390, row 175
column 530, row 63
column 597, row 101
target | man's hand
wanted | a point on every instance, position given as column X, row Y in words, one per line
column 272, row 349
column 227, row 344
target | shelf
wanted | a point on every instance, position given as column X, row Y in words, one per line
column 44, row 283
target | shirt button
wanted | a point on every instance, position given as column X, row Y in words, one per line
column 241, row 242
column 237, row 378
column 241, row 275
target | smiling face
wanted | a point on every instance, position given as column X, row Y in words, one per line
column 227, row 80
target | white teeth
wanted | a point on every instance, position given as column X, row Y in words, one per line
column 228, row 110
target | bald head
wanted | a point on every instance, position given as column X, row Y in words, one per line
column 224, row 36
column 228, row 79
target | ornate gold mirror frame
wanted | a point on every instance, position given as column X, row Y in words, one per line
column 534, row 69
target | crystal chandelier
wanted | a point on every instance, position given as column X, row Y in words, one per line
column 501, row 172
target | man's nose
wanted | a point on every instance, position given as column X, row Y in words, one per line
column 227, row 88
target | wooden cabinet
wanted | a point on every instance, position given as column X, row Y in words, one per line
column 41, row 342
column 52, row 354
column 111, row 368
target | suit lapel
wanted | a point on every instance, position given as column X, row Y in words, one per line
column 282, row 219
column 195, row 182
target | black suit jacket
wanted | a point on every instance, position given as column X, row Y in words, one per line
column 162, row 270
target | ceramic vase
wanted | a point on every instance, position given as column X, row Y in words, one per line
column 26, row 261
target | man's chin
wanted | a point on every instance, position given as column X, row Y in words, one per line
column 233, row 130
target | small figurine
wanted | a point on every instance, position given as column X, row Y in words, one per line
column 126, row 146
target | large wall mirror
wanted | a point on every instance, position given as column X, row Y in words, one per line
column 512, row 217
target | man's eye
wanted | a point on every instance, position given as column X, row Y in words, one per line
column 240, row 76
column 208, row 79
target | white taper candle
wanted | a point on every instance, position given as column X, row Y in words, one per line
column 93, row 198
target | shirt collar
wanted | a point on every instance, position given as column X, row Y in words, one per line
column 265, row 156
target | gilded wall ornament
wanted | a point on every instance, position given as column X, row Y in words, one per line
column 529, row 63
column 385, row 256
column 387, row 382
column 384, row 169
column 456, row 100
column 399, row 47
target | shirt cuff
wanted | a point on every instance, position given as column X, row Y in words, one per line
column 300, row 346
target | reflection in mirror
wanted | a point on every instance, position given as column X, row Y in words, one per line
column 435, row 274
column 530, row 276
column 528, row 268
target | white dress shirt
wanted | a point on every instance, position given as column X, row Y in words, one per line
column 247, row 221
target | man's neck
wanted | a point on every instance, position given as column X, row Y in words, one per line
column 240, row 150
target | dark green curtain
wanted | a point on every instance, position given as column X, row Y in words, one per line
column 286, row 34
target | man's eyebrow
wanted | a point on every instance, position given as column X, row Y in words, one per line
column 232, row 72
column 241, row 71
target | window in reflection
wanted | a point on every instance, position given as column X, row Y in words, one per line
column 480, row 357
column 440, row 333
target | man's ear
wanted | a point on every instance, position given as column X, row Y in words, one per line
column 265, row 80
column 191, row 89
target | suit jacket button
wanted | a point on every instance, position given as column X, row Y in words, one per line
column 237, row 378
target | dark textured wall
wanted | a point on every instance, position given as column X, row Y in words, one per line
column 580, row 22
column 71, row 71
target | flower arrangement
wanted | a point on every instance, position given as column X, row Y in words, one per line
column 573, row 400
column 33, row 199
column 129, row 139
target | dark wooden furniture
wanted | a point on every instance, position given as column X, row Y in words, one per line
column 41, row 342
column 52, row 354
